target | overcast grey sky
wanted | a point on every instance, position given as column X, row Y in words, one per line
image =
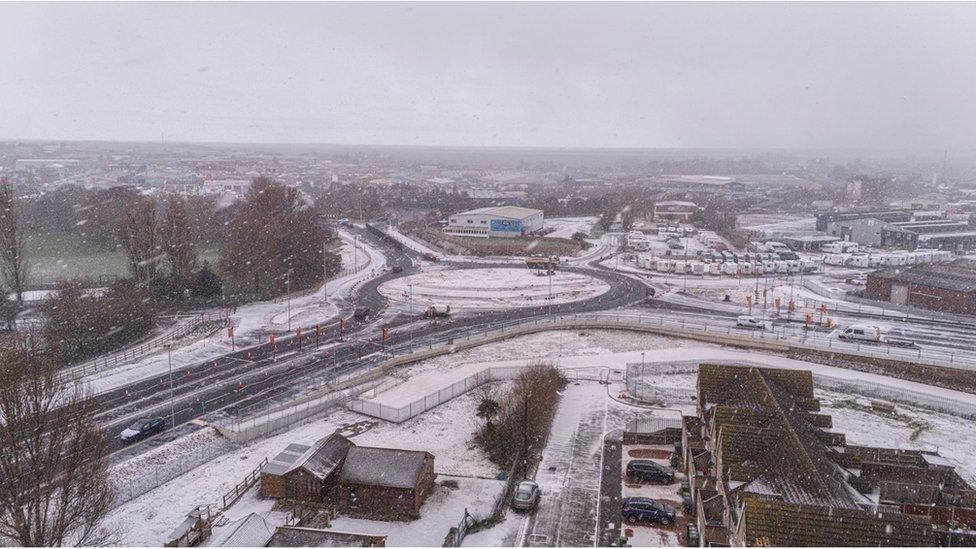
column 550, row 74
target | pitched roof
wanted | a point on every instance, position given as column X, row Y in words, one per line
column 383, row 467
column 324, row 456
column 776, row 523
column 764, row 427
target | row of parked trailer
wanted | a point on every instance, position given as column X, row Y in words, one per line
column 662, row 265
column 874, row 260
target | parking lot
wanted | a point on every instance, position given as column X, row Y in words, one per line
column 647, row 533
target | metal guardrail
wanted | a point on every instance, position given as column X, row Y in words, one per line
column 180, row 330
column 791, row 339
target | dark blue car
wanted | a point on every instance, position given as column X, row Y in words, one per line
column 142, row 428
column 647, row 510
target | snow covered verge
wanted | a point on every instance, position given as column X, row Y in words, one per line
column 491, row 288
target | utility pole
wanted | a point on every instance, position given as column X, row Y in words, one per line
column 325, row 270
column 288, row 293
column 172, row 402
column 550, row 290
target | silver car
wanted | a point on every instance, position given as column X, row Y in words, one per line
column 526, row 496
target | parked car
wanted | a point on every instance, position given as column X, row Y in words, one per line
column 859, row 280
column 640, row 470
column 749, row 322
column 144, row 427
column 647, row 510
column 526, row 496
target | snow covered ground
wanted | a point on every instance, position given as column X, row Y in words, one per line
column 446, row 432
column 569, row 472
column 566, row 227
column 252, row 322
column 491, row 288
column 443, row 509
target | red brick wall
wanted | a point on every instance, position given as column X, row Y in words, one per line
column 878, row 288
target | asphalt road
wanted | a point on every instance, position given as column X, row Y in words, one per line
column 254, row 376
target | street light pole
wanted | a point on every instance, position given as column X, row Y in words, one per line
column 172, row 402
column 288, row 293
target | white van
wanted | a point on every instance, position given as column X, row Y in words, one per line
column 746, row 321
column 861, row 332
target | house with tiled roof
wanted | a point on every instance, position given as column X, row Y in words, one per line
column 765, row 468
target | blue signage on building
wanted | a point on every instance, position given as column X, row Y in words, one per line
column 506, row 225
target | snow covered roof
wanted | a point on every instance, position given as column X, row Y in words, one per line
column 324, row 457
column 512, row 212
column 284, row 461
column 253, row 531
column 383, row 466
column 936, row 460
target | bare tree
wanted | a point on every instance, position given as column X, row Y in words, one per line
column 176, row 238
column 54, row 488
column 13, row 264
column 137, row 233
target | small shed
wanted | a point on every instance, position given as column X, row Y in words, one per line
column 306, row 473
column 385, row 479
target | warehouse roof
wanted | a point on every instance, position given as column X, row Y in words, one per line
column 513, row 212
column 958, row 275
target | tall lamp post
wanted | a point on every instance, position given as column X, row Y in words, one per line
column 288, row 294
column 172, row 402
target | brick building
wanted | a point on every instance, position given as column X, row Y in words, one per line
column 366, row 479
column 945, row 287
column 305, row 473
column 384, row 479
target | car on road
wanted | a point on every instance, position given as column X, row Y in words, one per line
column 750, row 322
column 645, row 470
column 526, row 496
column 859, row 280
column 143, row 428
column 639, row 509
column 396, row 269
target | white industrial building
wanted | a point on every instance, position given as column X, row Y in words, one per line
column 496, row 222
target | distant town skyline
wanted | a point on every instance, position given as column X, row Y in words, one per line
column 581, row 75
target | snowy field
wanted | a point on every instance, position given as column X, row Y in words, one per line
column 491, row 288
column 566, row 227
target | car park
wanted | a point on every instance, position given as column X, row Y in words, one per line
column 142, row 428
column 639, row 509
column 645, row 470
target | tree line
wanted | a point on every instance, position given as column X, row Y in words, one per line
column 272, row 240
